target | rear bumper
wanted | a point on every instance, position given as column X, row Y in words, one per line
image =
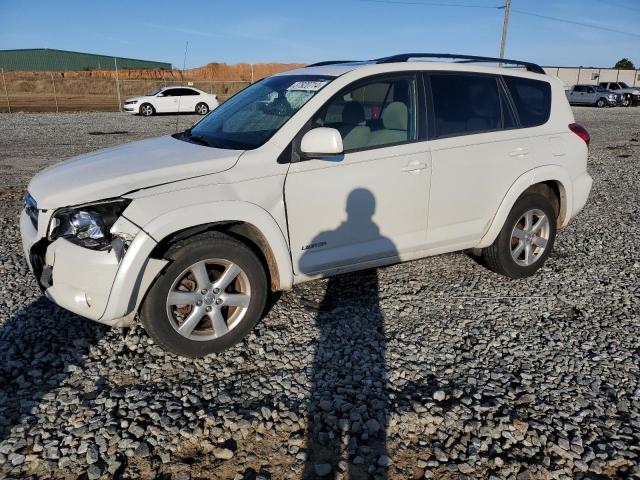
column 581, row 189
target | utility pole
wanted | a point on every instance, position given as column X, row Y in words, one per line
column 115, row 61
column 6, row 93
column 507, row 9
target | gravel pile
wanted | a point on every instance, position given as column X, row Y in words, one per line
column 431, row 369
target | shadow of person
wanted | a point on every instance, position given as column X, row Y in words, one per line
column 38, row 344
column 349, row 407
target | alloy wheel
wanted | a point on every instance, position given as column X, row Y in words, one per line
column 208, row 299
column 529, row 237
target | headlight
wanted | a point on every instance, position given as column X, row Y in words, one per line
column 31, row 208
column 130, row 102
column 612, row 96
column 88, row 225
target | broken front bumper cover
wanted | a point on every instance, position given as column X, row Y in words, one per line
column 83, row 281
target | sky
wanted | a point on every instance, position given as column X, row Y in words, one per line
column 302, row 31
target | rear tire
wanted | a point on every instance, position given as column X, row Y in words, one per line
column 147, row 110
column 210, row 296
column 526, row 239
column 202, row 108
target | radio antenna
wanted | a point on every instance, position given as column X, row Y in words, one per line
column 184, row 65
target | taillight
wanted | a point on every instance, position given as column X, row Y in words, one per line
column 581, row 132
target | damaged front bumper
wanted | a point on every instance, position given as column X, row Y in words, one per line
column 85, row 281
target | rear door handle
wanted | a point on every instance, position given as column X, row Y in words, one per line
column 519, row 152
column 414, row 167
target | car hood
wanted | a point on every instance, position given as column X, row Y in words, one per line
column 139, row 99
column 118, row 170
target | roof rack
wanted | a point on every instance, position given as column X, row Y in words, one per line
column 405, row 57
column 330, row 62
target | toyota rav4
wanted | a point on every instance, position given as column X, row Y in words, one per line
column 336, row 167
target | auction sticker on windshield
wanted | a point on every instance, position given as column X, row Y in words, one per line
column 308, row 86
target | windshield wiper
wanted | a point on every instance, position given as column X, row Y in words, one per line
column 199, row 139
column 195, row 138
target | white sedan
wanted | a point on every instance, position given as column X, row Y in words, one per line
column 172, row 100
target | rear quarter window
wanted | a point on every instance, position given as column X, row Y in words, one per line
column 532, row 99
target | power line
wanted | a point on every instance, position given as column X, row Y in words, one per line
column 620, row 5
column 581, row 24
column 500, row 7
column 432, row 4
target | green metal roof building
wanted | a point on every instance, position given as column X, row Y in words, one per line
column 49, row 59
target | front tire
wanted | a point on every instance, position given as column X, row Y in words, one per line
column 211, row 295
column 202, row 108
column 147, row 110
column 526, row 239
column 601, row 103
column 626, row 101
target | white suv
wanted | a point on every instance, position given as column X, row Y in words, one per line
column 336, row 167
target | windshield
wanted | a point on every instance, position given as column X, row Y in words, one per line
column 623, row 85
column 154, row 93
column 248, row 119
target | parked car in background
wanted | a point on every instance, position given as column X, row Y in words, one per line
column 630, row 95
column 593, row 95
column 327, row 169
column 172, row 100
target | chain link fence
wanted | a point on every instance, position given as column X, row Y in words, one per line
column 49, row 93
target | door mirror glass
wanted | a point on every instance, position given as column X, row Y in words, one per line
column 321, row 142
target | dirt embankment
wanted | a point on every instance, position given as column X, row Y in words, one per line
column 211, row 71
column 99, row 90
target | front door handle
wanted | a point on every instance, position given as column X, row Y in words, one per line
column 414, row 167
column 519, row 152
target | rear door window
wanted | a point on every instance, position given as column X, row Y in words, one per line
column 465, row 104
column 532, row 99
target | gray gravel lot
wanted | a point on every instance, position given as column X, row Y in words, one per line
column 432, row 369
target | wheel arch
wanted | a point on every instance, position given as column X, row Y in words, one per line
column 554, row 177
column 153, row 107
column 243, row 231
column 244, row 221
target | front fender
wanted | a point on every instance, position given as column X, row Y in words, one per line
column 538, row 175
column 130, row 285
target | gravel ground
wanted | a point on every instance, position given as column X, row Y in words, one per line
column 431, row 369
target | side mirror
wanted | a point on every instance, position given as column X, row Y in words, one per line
column 160, row 95
column 321, row 142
